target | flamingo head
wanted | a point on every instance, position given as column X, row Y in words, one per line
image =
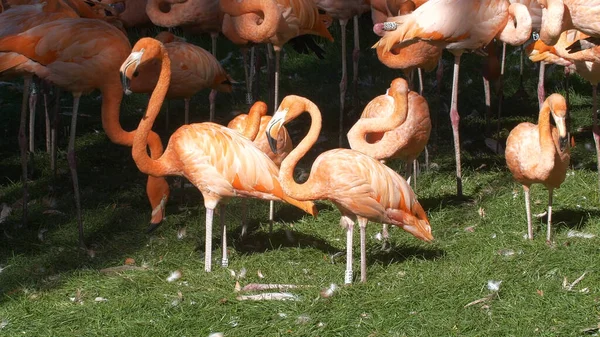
column 145, row 50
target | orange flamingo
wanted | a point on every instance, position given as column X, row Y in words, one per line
column 402, row 118
column 220, row 162
column 253, row 125
column 590, row 71
column 195, row 16
column 484, row 20
column 343, row 11
column 540, row 153
column 282, row 21
column 562, row 15
column 361, row 187
column 193, row 69
column 70, row 53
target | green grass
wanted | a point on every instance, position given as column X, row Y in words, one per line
column 415, row 289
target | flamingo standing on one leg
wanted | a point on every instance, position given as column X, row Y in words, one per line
column 540, row 153
column 253, row 125
column 483, row 20
column 192, row 69
column 343, row 11
column 402, row 119
column 71, row 53
column 220, row 162
column 361, row 187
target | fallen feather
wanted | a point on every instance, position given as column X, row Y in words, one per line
column 100, row 299
column 174, row 276
column 269, row 297
column 129, row 261
column 260, row 274
column 271, row 286
column 216, row 334
column 506, row 252
column 2, row 268
column 42, row 234
column 481, row 212
column 494, row 285
column 303, row 319
column 481, row 300
column 231, row 272
column 3, row 324
column 119, row 269
column 576, row 234
column 282, row 314
column 541, row 215
column 5, row 212
column 591, row 330
column 242, row 273
column 568, row 286
column 378, row 236
column 326, row 293
column 470, row 229
column 237, row 287
column 181, row 233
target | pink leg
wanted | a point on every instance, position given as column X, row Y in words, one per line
column 343, row 82
column 211, row 99
column 23, row 146
column 501, row 95
column 528, row 210
column 73, row 167
column 355, row 58
column 541, row 90
column 362, row 223
column 32, row 106
column 488, row 103
column 455, row 118
column 349, row 224
column 438, row 75
column 596, row 128
column 549, row 230
column 224, row 259
column 277, row 60
column 208, row 240
column 47, row 122
column 386, row 236
column 420, row 74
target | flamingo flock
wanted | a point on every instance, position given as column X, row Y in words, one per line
column 80, row 46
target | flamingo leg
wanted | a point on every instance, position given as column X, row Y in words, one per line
column 53, row 133
column 500, row 95
column 211, row 99
column 343, row 83
column 186, row 102
column 213, row 38
column 488, row 103
column 349, row 224
column 23, row 146
column 208, row 240
column 386, row 236
column 541, row 90
column 596, row 128
column 362, row 224
column 271, row 210
column 73, row 166
column 277, row 61
column 528, row 210
column 244, row 217
column 247, row 76
column 32, row 106
column 47, row 122
column 420, row 74
column 224, row 259
column 415, row 166
column 355, row 58
column 549, row 230
column 455, row 118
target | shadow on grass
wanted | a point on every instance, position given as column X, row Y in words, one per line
column 567, row 219
column 261, row 241
column 399, row 254
column 445, row 200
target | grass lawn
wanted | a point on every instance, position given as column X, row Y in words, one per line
column 49, row 287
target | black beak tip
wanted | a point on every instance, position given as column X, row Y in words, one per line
column 272, row 143
column 563, row 141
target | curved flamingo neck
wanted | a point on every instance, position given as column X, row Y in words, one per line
column 552, row 20
column 308, row 190
column 518, row 26
column 545, row 129
column 244, row 17
column 252, row 122
column 145, row 163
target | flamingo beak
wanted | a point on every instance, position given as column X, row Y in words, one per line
column 563, row 137
column 134, row 60
column 273, row 128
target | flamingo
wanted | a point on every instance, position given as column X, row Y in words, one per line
column 540, row 153
column 590, row 71
column 343, row 11
column 70, row 53
column 220, row 162
column 193, row 69
column 196, row 16
column 131, row 12
column 476, row 23
column 361, row 187
column 253, row 125
column 404, row 119
column 561, row 15
column 282, row 21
